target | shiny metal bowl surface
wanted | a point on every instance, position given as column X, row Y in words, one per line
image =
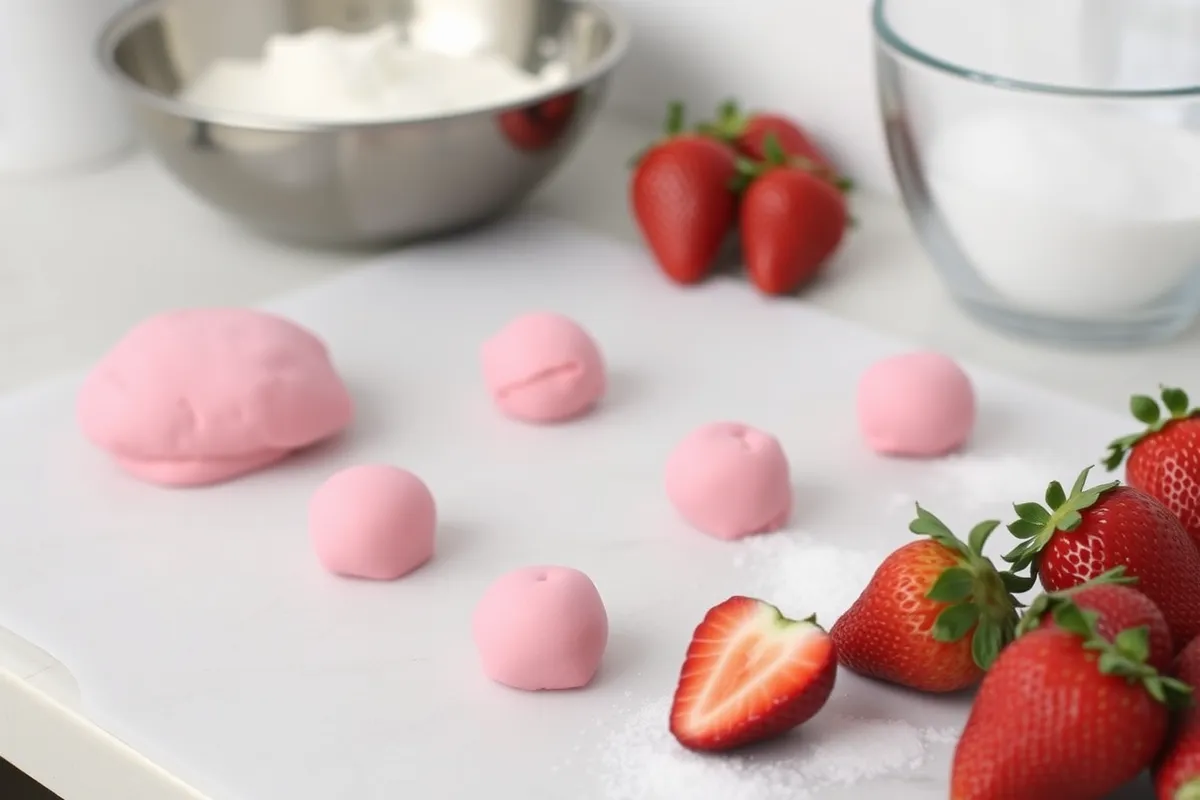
column 360, row 184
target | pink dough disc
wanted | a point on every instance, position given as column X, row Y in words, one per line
column 373, row 521
column 541, row 628
column 543, row 368
column 730, row 480
column 204, row 395
column 917, row 405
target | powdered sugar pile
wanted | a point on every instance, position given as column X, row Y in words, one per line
column 803, row 576
column 643, row 762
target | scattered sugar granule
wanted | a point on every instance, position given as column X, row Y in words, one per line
column 991, row 484
column 803, row 575
column 642, row 761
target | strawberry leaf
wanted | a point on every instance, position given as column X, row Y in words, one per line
column 1017, row 584
column 978, row 536
column 1176, row 401
column 1144, row 409
column 1055, row 496
column 1065, row 516
column 1032, row 512
column 955, row 622
column 953, row 586
column 1133, row 643
column 1024, row 529
column 927, row 524
column 987, row 643
column 676, row 119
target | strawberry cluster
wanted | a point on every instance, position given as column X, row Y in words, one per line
column 1076, row 693
column 758, row 174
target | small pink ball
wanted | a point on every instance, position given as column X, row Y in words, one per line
column 730, row 480
column 917, row 405
column 373, row 521
column 541, row 628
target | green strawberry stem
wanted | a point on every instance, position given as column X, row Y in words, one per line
column 1046, row 603
column 1036, row 524
column 673, row 125
column 1146, row 410
column 729, row 124
column 978, row 597
column 1188, row 791
column 1124, row 657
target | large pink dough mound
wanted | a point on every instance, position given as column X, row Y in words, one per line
column 916, row 405
column 730, row 480
column 543, row 368
column 203, row 395
column 372, row 521
column 541, row 628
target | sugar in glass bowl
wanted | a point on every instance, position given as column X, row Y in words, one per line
column 1048, row 154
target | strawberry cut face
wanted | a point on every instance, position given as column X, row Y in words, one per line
column 750, row 674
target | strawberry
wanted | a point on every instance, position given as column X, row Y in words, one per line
column 934, row 615
column 539, row 126
column 792, row 221
column 750, row 674
column 1078, row 536
column 684, row 198
column 1065, row 714
column 1177, row 772
column 1164, row 459
column 748, row 134
column 1117, row 606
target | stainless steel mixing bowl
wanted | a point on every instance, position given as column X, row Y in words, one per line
column 362, row 183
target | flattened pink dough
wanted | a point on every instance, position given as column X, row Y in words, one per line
column 917, row 404
column 541, row 628
column 730, row 480
column 372, row 521
column 543, row 368
column 203, row 395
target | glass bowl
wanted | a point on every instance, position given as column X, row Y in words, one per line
column 1048, row 154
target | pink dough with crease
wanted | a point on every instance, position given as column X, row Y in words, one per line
column 730, row 480
column 372, row 521
column 200, row 396
column 541, row 628
column 543, row 367
column 917, row 405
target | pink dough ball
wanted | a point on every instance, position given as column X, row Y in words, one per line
column 373, row 521
column 543, row 368
column 917, row 405
column 541, row 628
column 730, row 480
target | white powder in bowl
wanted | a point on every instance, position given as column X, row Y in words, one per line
column 325, row 75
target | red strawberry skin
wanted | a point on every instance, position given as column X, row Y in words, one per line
column 750, row 675
column 683, row 200
column 887, row 633
column 1179, row 765
column 1119, row 608
column 1048, row 725
column 1127, row 527
column 792, row 139
column 792, row 221
column 1166, row 465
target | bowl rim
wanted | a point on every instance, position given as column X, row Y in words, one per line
column 888, row 37
column 137, row 13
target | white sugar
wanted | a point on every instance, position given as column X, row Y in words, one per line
column 642, row 761
column 803, row 576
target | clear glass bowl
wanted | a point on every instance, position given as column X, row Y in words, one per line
column 1048, row 153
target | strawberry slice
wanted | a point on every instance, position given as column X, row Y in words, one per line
column 750, row 674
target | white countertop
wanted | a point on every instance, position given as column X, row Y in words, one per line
column 83, row 258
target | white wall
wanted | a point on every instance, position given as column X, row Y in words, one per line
column 812, row 58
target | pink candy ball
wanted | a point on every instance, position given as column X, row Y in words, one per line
column 917, row 405
column 375, row 522
column 730, row 480
column 541, row 628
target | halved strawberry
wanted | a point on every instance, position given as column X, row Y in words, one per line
column 750, row 674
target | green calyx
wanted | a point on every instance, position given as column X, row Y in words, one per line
column 1045, row 604
column 1147, row 411
column 674, row 124
column 728, row 125
column 1188, row 791
column 979, row 598
column 1124, row 657
column 1036, row 524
